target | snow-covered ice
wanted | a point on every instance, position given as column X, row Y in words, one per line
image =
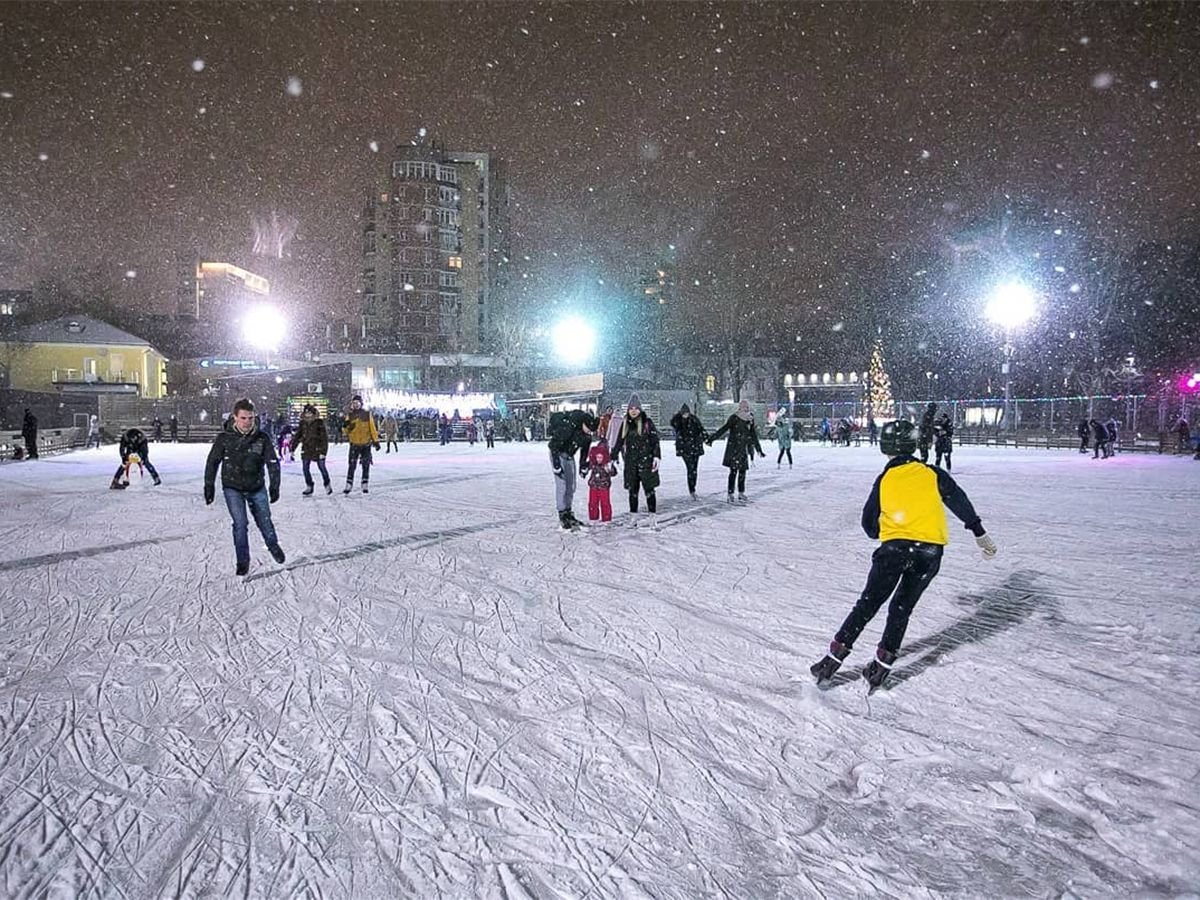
column 441, row 694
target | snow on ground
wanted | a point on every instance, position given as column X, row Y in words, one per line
column 441, row 694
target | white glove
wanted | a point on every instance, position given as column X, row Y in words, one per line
column 987, row 545
column 654, row 465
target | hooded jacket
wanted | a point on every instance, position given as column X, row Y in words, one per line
column 313, row 438
column 689, row 434
column 743, row 440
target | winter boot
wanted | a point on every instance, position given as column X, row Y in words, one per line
column 575, row 523
column 878, row 669
column 729, row 497
column 328, row 488
column 742, row 498
column 277, row 553
column 564, row 519
column 243, row 568
column 365, row 491
column 349, row 487
column 652, row 521
column 308, row 492
column 828, row 665
column 157, row 481
column 117, row 485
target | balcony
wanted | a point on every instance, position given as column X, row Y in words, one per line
column 77, row 381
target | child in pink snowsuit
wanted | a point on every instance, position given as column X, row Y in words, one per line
column 600, row 473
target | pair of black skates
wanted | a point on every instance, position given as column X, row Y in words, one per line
column 875, row 672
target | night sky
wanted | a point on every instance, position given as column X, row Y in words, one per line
column 794, row 140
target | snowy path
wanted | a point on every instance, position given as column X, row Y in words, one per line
column 440, row 694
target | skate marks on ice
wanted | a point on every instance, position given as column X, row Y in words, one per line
column 51, row 559
column 997, row 610
column 411, row 541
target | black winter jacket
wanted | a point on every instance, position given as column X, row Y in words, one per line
column 689, row 435
column 134, row 441
column 313, row 439
column 241, row 458
column 638, row 444
column 743, row 440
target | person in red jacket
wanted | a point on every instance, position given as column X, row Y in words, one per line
column 600, row 474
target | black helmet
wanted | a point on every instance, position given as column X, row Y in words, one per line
column 898, row 438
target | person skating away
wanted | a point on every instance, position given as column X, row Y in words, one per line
column 568, row 432
column 689, row 444
column 29, row 431
column 313, row 438
column 93, row 436
column 489, row 434
column 783, row 437
column 943, row 440
column 362, row 435
column 1112, row 431
column 826, row 433
column 1099, row 438
column 741, row 443
column 1182, row 430
column 925, row 435
column 1085, row 430
column 173, row 428
column 872, row 431
column 904, row 511
column 600, row 471
column 389, row 434
column 638, row 445
column 133, row 444
column 241, row 453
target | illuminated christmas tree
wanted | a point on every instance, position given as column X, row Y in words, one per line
column 879, row 387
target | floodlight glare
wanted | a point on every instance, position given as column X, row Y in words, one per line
column 264, row 326
column 574, row 340
column 1011, row 304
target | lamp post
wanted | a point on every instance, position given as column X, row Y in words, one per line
column 264, row 327
column 1010, row 305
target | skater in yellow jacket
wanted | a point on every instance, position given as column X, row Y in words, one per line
column 362, row 435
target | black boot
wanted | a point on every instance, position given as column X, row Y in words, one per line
column 243, row 568
column 828, row 665
column 878, row 669
column 278, row 554
column 566, row 520
column 307, row 491
column 117, row 485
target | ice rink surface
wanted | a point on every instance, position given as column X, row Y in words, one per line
column 441, row 694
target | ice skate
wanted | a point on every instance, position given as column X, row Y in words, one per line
column 307, row 492
column 878, row 669
column 742, row 498
column 328, row 488
column 349, row 487
column 827, row 666
column 243, row 568
column 277, row 554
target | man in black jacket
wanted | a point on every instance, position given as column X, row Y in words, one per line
column 569, row 431
column 689, row 443
column 133, row 442
column 29, row 431
column 241, row 451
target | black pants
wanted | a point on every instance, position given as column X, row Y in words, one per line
column 637, row 484
column 946, row 454
column 324, row 471
column 391, row 442
column 924, row 448
column 905, row 567
column 693, row 471
column 31, row 447
column 737, row 476
column 357, row 452
column 145, row 462
column 491, row 440
column 783, row 450
column 1083, row 443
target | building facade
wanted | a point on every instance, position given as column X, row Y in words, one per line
column 434, row 248
column 80, row 355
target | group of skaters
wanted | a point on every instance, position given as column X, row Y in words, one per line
column 1104, row 437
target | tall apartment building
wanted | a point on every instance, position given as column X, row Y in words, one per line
column 434, row 245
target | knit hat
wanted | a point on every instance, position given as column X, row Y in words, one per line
column 635, row 400
column 685, row 409
column 357, row 397
column 743, row 406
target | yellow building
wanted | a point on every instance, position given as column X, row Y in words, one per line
column 79, row 355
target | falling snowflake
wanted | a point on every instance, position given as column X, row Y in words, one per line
column 838, row 326
column 203, row 110
column 374, row 145
column 197, row 65
column 131, row 273
column 43, row 157
column 1102, row 81
column 925, row 154
column 1154, row 84
column 1075, row 289
column 294, row 86
column 6, row 95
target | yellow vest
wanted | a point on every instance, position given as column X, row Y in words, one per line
column 910, row 505
column 360, row 428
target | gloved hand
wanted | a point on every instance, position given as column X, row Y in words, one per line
column 376, row 446
column 558, row 472
column 654, row 465
column 762, row 455
column 708, row 441
column 987, row 545
column 209, row 493
column 273, row 495
column 612, row 469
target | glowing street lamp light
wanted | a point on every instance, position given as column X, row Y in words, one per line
column 574, row 340
column 1010, row 306
column 264, row 327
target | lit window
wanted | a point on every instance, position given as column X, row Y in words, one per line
column 710, row 383
column 825, row 378
column 840, row 378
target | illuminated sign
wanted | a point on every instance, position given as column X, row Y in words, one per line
column 255, row 283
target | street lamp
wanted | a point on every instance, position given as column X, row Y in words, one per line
column 264, row 326
column 574, row 340
column 1010, row 305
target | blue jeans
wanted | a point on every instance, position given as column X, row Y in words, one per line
column 260, row 508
